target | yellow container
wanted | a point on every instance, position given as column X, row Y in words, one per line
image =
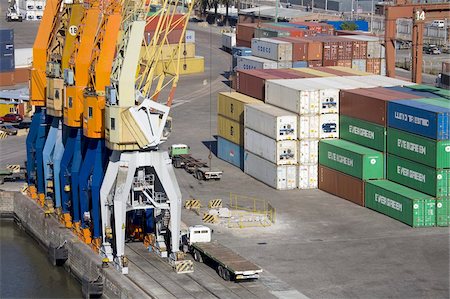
column 230, row 130
column 187, row 66
column 231, row 105
column 187, row 51
column 313, row 72
column 349, row 70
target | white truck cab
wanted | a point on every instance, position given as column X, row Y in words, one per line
column 199, row 234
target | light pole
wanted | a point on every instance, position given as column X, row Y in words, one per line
column 371, row 19
column 276, row 11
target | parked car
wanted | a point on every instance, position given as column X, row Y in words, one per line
column 438, row 23
column 432, row 50
column 23, row 125
column 1, row 120
column 10, row 130
column 12, row 118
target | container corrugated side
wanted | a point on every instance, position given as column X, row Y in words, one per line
column 230, row 130
column 362, row 132
column 271, row 121
column 231, row 105
column 228, row 40
column 420, row 118
column 253, row 63
column 351, row 158
column 431, row 152
column 401, row 203
column 341, row 184
column 432, row 181
column 272, row 49
column 308, row 151
column 282, row 152
column 318, row 126
column 307, row 176
column 443, row 211
column 230, row 152
column 281, row 177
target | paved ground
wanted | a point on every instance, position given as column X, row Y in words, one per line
column 321, row 246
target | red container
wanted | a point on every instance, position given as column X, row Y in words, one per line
column 373, row 65
column 302, row 74
column 345, row 48
column 316, row 27
column 330, row 47
column 359, row 49
column 153, row 23
column 349, row 32
column 253, row 82
column 173, row 37
column 315, row 48
column 299, row 48
column 246, row 31
column 369, row 104
column 293, row 32
column 314, row 63
column 7, row 78
column 287, row 73
column 243, row 43
column 342, row 185
column 329, row 63
column 333, row 71
column 345, row 63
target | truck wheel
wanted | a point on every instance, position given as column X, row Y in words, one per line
column 198, row 256
column 226, row 275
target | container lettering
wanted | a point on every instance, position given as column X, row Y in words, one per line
column 340, row 159
column 388, row 202
column 411, row 174
column 412, row 119
column 361, row 132
column 414, row 147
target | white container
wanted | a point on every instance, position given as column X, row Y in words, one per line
column 39, row 5
column 30, row 15
column 318, row 126
column 383, row 67
column 329, row 126
column 23, row 57
column 284, row 64
column 30, row 5
column 307, row 176
column 189, row 36
column 253, row 63
column 228, row 40
column 359, row 64
column 39, row 14
column 272, row 49
column 344, row 82
column 271, row 121
column 380, row 81
column 308, row 151
column 281, row 177
column 278, row 152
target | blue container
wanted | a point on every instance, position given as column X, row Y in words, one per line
column 299, row 64
column 361, row 24
column 422, row 94
column 7, row 36
column 230, row 152
column 420, row 118
column 6, row 49
column 286, row 24
column 7, row 63
column 241, row 51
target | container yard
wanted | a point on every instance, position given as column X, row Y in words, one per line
column 334, row 177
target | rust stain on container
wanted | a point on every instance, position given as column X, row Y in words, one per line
column 373, row 65
column 345, row 63
column 342, row 185
column 246, row 31
column 369, row 104
column 299, row 48
column 314, row 63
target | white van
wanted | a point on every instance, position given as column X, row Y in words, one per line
column 438, row 23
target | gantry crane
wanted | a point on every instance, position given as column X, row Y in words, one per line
column 76, row 77
column 139, row 175
column 419, row 12
column 60, row 50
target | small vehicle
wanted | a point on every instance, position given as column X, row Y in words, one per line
column 12, row 118
column 1, row 120
column 23, row 125
column 438, row 23
column 8, row 175
column 181, row 158
column 229, row 264
column 196, row 20
column 10, row 130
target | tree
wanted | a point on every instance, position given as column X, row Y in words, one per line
column 349, row 26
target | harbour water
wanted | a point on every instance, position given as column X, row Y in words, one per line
column 25, row 271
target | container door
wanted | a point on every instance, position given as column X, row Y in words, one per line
column 291, row 177
column 281, row 177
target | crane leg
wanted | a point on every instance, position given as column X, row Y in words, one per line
column 57, row 156
column 40, row 142
column 38, row 118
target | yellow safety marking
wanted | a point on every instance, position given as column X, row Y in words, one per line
column 215, row 204
column 14, row 168
column 24, row 188
column 192, row 204
column 186, row 266
column 208, row 218
column 3, row 135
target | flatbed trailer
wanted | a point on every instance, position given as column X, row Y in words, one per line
column 197, row 167
column 229, row 264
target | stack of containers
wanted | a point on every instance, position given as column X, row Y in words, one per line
column 270, row 144
column 316, row 106
column 230, row 126
column 375, row 54
column 275, row 50
column 7, row 64
column 228, row 41
column 418, row 144
column 189, row 62
column 239, row 52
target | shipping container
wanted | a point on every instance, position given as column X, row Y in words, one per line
column 29, row 5
column 7, row 63
column 7, row 36
column 230, row 152
column 375, row 45
column 314, row 63
column 284, row 64
column 243, row 43
column 7, row 78
column 369, row 104
column 253, row 82
column 349, row 72
column 173, row 37
column 308, row 151
column 443, row 211
column 308, row 127
column 351, row 158
column 231, row 105
column 279, row 27
column 39, row 14
column 373, row 65
column 434, row 153
column 190, row 36
column 362, row 132
column 278, row 152
column 442, row 92
column 241, row 51
column 330, row 63
column 421, row 93
column 245, row 32
column 341, row 185
column 420, row 118
column 344, row 83
column 299, row 64
column 253, row 63
column 6, row 49
column 171, row 50
column 329, row 47
column 401, row 203
column 281, row 177
column 270, row 32
column 307, row 176
column 299, row 48
column 359, row 48
column 328, row 126
column 432, row 181
column 271, row 121
column 359, row 64
column 228, row 41
column 314, row 72
column 39, row 5
column 345, row 63
column 192, row 65
column 384, row 81
column 383, row 67
column 230, row 130
column 176, row 24
column 23, row 57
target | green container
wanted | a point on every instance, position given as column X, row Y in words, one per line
column 439, row 102
column 438, row 91
column 432, row 181
column 270, row 32
column 362, row 132
column 351, row 158
column 434, row 153
column 401, row 203
column 442, row 211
